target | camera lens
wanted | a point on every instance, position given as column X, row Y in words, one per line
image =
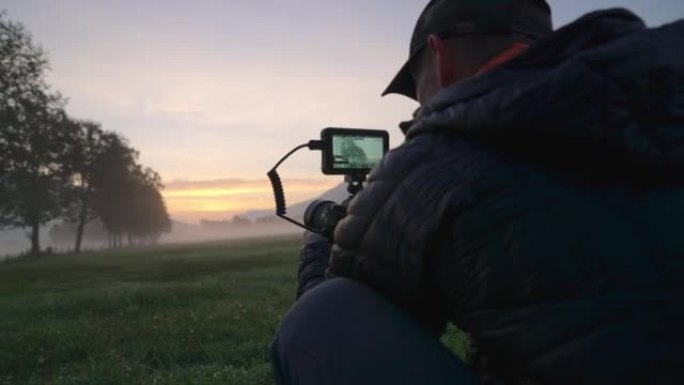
column 323, row 216
column 315, row 214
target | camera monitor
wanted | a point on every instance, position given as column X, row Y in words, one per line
column 348, row 151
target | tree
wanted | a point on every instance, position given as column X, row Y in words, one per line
column 21, row 79
column 52, row 166
column 85, row 144
column 30, row 117
column 34, row 181
column 240, row 221
column 148, row 217
column 126, row 196
column 113, row 173
column 22, row 69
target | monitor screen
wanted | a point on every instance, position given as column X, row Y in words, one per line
column 356, row 151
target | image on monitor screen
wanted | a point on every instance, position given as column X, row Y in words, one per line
column 356, row 152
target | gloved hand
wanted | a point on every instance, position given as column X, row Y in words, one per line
column 313, row 262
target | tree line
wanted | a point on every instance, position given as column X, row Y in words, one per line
column 54, row 166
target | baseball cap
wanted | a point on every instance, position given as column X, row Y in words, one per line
column 451, row 18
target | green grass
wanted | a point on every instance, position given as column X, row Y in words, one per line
column 192, row 314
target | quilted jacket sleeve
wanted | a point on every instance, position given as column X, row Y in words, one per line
column 313, row 261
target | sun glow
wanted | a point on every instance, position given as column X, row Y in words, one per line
column 213, row 193
column 193, row 201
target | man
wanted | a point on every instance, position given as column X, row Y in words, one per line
column 537, row 203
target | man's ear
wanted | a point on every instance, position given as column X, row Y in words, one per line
column 443, row 63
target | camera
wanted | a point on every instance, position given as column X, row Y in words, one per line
column 324, row 216
column 344, row 151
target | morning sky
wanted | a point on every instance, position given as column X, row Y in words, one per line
column 214, row 92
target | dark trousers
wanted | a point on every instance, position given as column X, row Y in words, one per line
column 342, row 332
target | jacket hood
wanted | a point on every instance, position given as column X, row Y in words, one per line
column 603, row 85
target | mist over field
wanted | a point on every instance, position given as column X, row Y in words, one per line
column 187, row 233
column 251, row 224
column 15, row 242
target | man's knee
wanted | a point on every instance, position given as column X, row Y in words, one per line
column 345, row 333
column 304, row 333
column 317, row 311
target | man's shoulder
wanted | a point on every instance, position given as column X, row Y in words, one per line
column 433, row 158
column 408, row 156
column 417, row 183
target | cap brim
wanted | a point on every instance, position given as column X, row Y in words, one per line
column 403, row 83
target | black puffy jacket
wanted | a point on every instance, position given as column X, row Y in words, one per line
column 540, row 207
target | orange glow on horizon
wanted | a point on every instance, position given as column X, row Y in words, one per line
column 212, row 192
column 194, row 201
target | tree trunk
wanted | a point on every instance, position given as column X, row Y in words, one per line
column 82, row 216
column 35, row 238
column 79, row 237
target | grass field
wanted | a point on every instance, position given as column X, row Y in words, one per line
column 191, row 314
